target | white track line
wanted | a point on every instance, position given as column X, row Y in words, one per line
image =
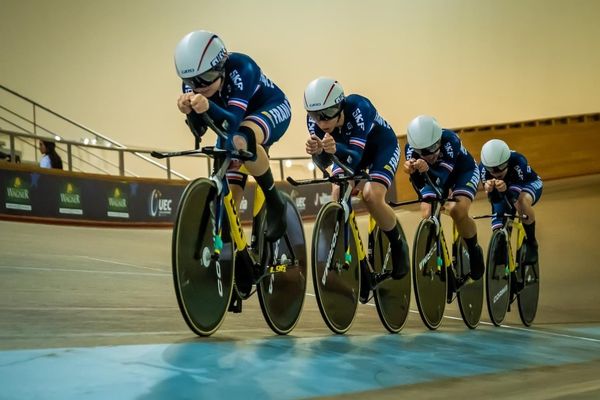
column 121, row 263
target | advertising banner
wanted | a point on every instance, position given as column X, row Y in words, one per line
column 82, row 199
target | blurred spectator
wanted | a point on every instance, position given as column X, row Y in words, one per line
column 51, row 159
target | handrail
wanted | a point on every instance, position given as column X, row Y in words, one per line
column 70, row 143
column 140, row 153
column 56, row 135
column 85, row 128
column 91, row 131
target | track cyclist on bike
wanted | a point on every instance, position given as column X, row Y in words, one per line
column 351, row 128
column 255, row 113
column 440, row 153
column 507, row 172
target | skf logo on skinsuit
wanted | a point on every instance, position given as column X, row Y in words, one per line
column 519, row 172
column 357, row 114
column 159, row 206
column 448, row 148
column 237, row 79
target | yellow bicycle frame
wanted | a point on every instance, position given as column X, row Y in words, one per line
column 445, row 253
column 517, row 226
column 237, row 232
column 359, row 245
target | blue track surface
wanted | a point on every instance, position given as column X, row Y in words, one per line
column 285, row 367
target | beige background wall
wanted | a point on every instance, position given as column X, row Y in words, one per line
column 108, row 64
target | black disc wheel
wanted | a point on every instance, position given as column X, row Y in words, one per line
column 336, row 277
column 497, row 278
column 392, row 297
column 282, row 289
column 529, row 295
column 202, row 266
column 470, row 294
column 429, row 275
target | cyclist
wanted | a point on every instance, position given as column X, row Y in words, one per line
column 440, row 153
column 235, row 93
column 351, row 128
column 507, row 172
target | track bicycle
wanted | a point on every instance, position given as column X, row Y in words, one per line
column 340, row 264
column 507, row 277
column 440, row 276
column 215, row 268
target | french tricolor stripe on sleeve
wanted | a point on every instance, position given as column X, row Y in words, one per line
column 358, row 142
column 243, row 104
column 447, row 166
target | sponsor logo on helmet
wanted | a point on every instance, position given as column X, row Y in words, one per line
column 218, row 58
column 339, row 98
column 186, row 71
column 315, row 104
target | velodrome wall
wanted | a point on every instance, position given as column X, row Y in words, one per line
column 556, row 148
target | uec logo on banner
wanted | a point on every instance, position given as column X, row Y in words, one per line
column 158, row 205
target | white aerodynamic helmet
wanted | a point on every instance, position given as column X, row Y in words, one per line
column 324, row 98
column 424, row 133
column 494, row 153
column 200, row 58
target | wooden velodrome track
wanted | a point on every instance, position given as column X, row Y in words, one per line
column 91, row 313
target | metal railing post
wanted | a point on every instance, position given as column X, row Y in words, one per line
column 121, row 163
column 12, row 149
column 168, row 168
column 69, row 157
column 34, row 121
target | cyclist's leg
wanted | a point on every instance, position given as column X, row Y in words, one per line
column 499, row 208
column 237, row 183
column 258, row 131
column 383, row 168
column 464, row 191
column 528, row 196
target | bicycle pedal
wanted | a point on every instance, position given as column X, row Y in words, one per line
column 382, row 277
